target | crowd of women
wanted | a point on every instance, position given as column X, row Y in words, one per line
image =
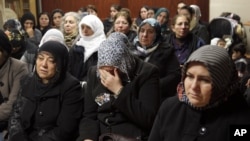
column 74, row 77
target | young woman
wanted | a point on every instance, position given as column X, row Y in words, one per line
column 43, row 23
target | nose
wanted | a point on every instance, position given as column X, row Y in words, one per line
column 195, row 84
column 44, row 63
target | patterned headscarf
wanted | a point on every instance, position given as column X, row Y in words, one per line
column 222, row 71
column 113, row 52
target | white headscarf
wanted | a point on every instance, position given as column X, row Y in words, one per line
column 91, row 43
column 52, row 34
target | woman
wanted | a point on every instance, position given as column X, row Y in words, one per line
column 56, row 18
column 183, row 41
column 122, row 94
column 162, row 16
column 208, row 101
column 28, row 23
column 43, row 23
column 70, row 28
column 108, row 23
column 150, row 48
column 29, row 55
column 50, row 103
column 195, row 27
column 143, row 13
column 11, row 71
column 123, row 24
column 84, row 54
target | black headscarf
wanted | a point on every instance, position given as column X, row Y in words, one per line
column 61, row 56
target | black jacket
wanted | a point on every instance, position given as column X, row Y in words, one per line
column 176, row 121
column 170, row 72
column 131, row 114
column 53, row 115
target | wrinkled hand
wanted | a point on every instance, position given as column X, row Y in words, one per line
column 111, row 82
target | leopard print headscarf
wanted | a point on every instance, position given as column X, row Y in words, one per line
column 113, row 52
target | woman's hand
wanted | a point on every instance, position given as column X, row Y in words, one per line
column 111, row 80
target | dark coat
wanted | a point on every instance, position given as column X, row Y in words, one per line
column 170, row 75
column 54, row 115
column 191, row 41
column 77, row 67
column 131, row 114
column 176, row 121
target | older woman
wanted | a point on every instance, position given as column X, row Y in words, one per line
column 150, row 47
column 122, row 94
column 49, row 105
column 84, row 54
column 70, row 28
column 183, row 41
column 208, row 101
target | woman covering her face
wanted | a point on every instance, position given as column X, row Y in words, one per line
column 122, row 94
column 209, row 102
column 49, row 105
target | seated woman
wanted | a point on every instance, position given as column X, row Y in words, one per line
column 122, row 94
column 49, row 105
column 123, row 23
column 183, row 41
column 208, row 101
column 11, row 71
column 151, row 48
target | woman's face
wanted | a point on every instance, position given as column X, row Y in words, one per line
column 70, row 25
column 44, row 20
column 121, row 25
column 113, row 12
column 198, row 84
column 143, row 13
column 28, row 24
column 45, row 66
column 162, row 18
column 181, row 27
column 146, row 35
column 57, row 19
column 151, row 13
column 86, row 30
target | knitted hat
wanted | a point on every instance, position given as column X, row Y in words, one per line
column 5, row 43
column 221, row 68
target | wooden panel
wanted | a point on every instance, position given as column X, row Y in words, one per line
column 134, row 5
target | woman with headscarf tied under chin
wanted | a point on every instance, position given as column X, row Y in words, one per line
column 209, row 102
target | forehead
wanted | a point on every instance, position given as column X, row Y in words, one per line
column 46, row 53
